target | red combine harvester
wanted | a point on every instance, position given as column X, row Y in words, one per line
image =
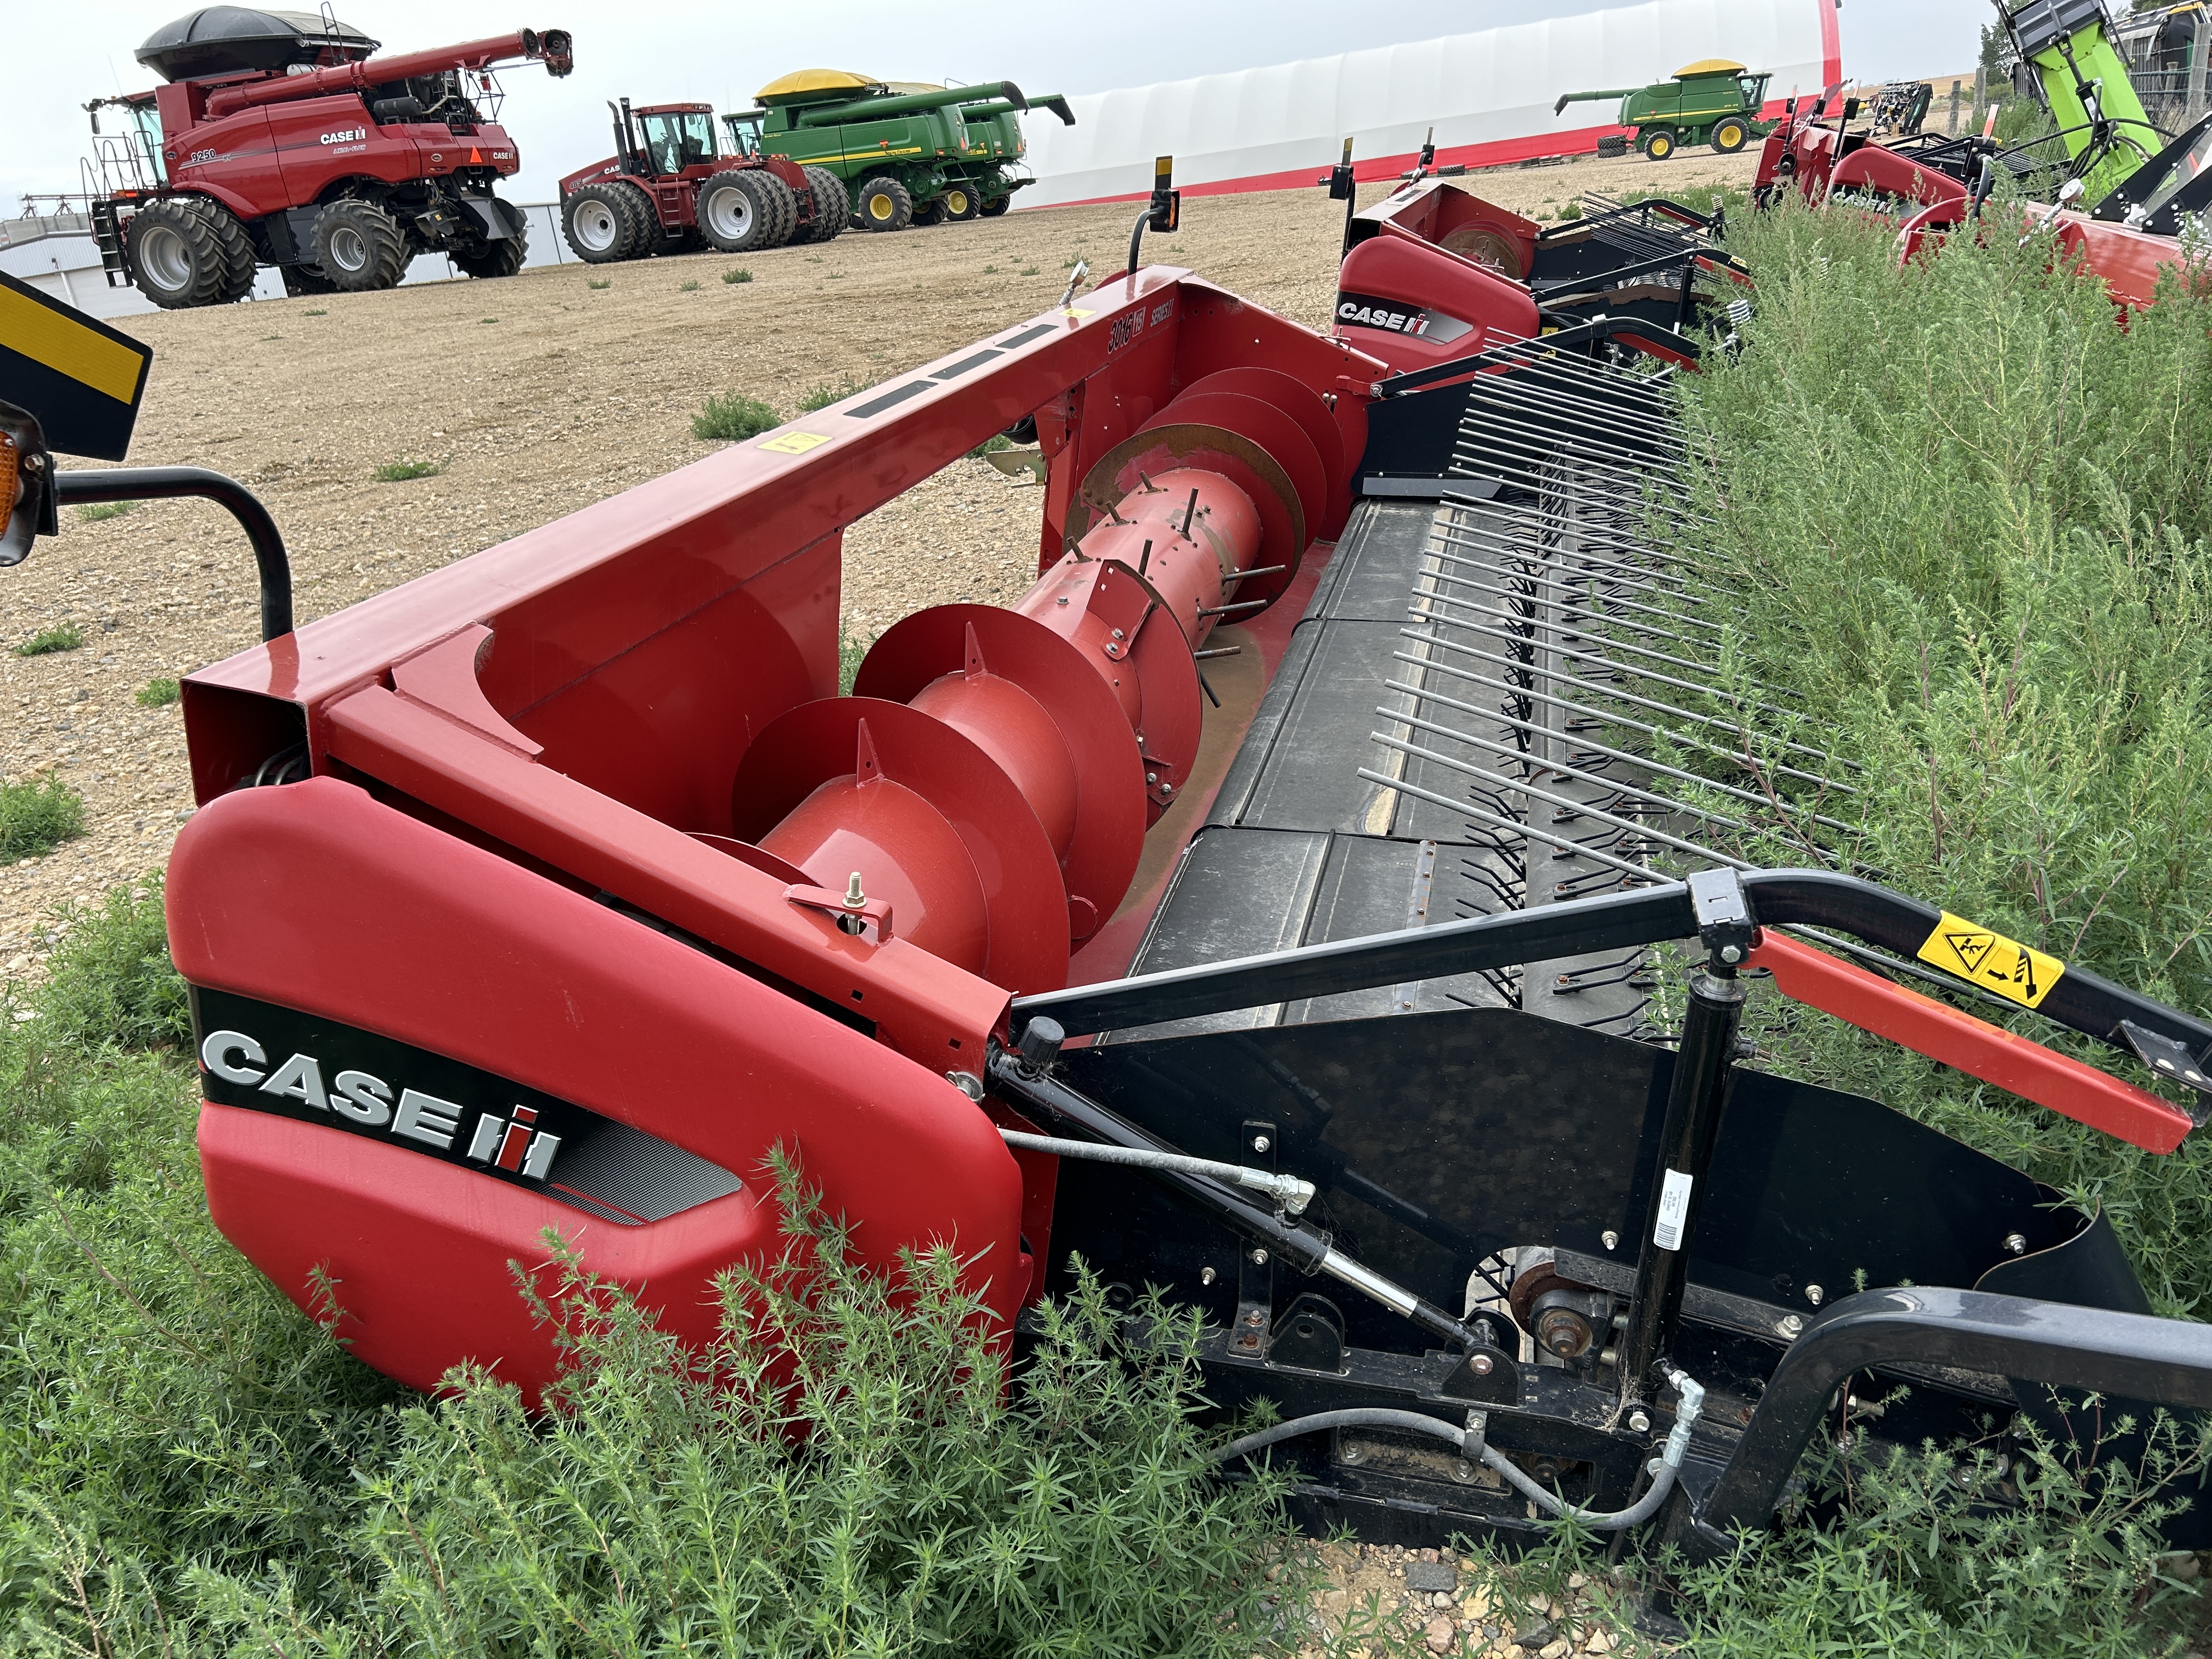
column 279, row 141
column 667, row 189
column 1282, row 903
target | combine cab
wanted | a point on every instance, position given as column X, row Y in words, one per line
column 907, row 153
column 667, row 189
column 279, row 141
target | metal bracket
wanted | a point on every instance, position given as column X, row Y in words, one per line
column 850, row 918
column 1256, row 1265
column 1723, row 910
column 2171, row 1058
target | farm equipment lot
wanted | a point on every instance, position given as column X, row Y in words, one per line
column 537, row 396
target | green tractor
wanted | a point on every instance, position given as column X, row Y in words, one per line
column 1712, row 101
column 908, row 153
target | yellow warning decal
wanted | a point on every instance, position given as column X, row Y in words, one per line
column 64, row 341
column 2012, row 970
column 793, row 443
column 1077, row 311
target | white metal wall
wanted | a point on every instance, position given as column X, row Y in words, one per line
column 1488, row 95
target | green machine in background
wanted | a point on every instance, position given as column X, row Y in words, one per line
column 1713, row 101
column 908, row 153
column 2072, row 50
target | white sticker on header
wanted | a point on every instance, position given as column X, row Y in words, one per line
column 1673, row 1205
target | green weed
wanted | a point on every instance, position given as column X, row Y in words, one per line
column 736, row 274
column 851, row 651
column 401, row 472
column 38, row 815
column 159, row 694
column 314, row 313
column 822, row 394
column 1029, row 270
column 687, row 288
column 598, row 281
column 990, row 270
column 93, row 512
column 997, row 440
column 47, row 640
column 734, row 416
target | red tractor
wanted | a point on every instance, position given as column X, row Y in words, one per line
column 668, row 189
column 279, row 141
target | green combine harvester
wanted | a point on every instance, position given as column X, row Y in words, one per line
column 1713, row 101
column 908, row 153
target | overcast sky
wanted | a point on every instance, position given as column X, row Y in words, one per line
column 56, row 55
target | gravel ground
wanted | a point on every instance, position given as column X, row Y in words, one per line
column 1383, row 1599
column 537, row 396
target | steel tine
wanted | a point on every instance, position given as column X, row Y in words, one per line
column 1513, row 825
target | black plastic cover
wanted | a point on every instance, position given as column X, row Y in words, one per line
column 231, row 39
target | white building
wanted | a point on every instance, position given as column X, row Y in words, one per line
column 1488, row 95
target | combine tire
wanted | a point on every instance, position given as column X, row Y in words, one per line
column 1613, row 146
column 502, row 258
column 961, row 202
column 305, row 281
column 832, row 206
column 359, row 246
column 929, row 213
column 185, row 254
column 995, row 206
column 883, row 204
column 743, row 210
column 1658, row 146
column 1730, row 135
column 598, row 223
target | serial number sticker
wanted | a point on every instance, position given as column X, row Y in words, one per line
column 793, row 443
column 2015, row 971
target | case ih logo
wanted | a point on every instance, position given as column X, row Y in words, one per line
column 345, row 137
column 1365, row 311
column 511, row 1142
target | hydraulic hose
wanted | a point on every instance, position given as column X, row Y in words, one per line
column 1664, row 1468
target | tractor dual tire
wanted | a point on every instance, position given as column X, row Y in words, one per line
column 929, row 213
column 1613, row 146
column 883, row 204
column 601, row 222
column 1658, row 146
column 745, row 209
column 1730, row 135
column 960, row 202
column 994, row 207
column 188, row 252
column 359, row 246
column 832, row 205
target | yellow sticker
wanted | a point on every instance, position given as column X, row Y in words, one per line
column 794, row 443
column 1073, row 310
column 1991, row 961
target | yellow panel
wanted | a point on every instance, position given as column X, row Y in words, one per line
column 68, row 347
column 1709, row 66
column 817, row 80
column 793, row 443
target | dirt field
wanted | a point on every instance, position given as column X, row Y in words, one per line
column 539, row 395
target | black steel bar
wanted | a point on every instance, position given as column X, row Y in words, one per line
column 2133, row 1355
column 132, row 483
column 1695, row 1100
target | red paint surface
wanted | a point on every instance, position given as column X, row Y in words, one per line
column 1973, row 1046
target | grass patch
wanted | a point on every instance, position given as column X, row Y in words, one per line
column 314, row 313
column 687, row 288
column 401, row 472
column 732, row 416
column 93, row 512
column 851, row 651
column 736, row 274
column 159, row 694
column 991, row 444
column 1029, row 270
column 38, row 815
column 1995, row 588
column 44, row 643
column 598, row 281
column 822, row 393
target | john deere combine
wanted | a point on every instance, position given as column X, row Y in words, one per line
column 908, row 153
column 1714, row 100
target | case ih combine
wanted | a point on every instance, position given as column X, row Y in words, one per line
column 278, row 140
column 667, row 189
column 1381, row 1000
